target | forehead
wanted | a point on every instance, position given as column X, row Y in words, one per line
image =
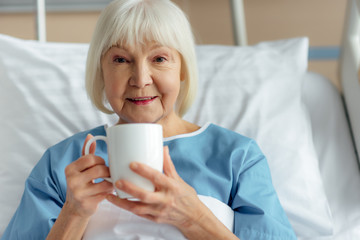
column 141, row 39
column 143, row 47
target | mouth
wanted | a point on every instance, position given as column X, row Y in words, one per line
column 141, row 100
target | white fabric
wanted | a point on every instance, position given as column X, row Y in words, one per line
column 110, row 222
column 257, row 91
column 42, row 101
column 253, row 90
column 338, row 163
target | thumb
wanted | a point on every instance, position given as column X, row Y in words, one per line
column 92, row 147
column 169, row 168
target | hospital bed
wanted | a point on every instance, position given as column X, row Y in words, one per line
column 309, row 131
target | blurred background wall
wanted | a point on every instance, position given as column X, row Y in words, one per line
column 321, row 20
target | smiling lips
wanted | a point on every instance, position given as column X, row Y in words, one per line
column 142, row 100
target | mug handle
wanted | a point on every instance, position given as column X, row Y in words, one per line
column 87, row 148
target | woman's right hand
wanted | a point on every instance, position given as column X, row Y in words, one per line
column 83, row 195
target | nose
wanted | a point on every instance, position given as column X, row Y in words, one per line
column 140, row 76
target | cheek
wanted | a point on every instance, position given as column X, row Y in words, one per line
column 114, row 86
column 170, row 82
column 108, row 86
column 170, row 89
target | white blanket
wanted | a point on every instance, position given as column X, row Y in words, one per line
column 111, row 222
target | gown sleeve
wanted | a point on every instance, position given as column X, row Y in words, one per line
column 40, row 205
column 258, row 212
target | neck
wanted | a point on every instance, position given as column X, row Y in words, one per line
column 175, row 125
column 171, row 124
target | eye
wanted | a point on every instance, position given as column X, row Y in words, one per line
column 159, row 59
column 120, row 60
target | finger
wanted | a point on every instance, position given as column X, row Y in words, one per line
column 169, row 168
column 84, row 163
column 92, row 146
column 137, row 207
column 98, row 198
column 156, row 177
column 135, row 191
column 99, row 188
column 97, row 171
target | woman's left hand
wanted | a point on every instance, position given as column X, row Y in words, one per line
column 173, row 202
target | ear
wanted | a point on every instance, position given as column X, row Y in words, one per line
column 182, row 75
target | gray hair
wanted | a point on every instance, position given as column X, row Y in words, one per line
column 127, row 22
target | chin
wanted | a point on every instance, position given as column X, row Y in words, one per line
column 140, row 119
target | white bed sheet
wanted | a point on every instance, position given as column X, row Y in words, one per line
column 337, row 158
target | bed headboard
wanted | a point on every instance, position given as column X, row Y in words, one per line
column 349, row 68
column 349, row 62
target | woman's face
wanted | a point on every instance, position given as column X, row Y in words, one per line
column 142, row 82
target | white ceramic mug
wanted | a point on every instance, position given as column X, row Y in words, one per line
column 126, row 143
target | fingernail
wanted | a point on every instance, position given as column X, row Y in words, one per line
column 109, row 197
column 119, row 184
column 134, row 165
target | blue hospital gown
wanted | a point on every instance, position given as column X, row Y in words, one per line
column 215, row 161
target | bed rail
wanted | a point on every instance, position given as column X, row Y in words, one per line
column 41, row 20
column 237, row 15
column 238, row 22
column 349, row 68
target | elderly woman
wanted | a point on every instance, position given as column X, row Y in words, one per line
column 215, row 183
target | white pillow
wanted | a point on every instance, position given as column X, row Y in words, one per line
column 42, row 102
column 253, row 90
column 256, row 91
